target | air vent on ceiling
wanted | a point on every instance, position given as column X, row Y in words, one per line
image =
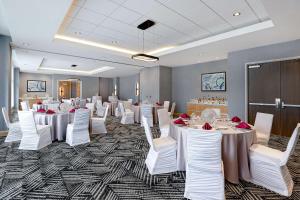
column 146, row 24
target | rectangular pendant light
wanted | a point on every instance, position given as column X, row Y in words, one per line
column 144, row 57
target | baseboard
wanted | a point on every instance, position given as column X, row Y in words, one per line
column 3, row 133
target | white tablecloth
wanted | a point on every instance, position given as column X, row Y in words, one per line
column 36, row 107
column 235, row 151
column 58, row 121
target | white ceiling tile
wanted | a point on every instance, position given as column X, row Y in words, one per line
column 228, row 7
column 140, row 6
column 119, row 1
column 82, row 25
column 259, row 9
column 120, row 27
column 105, row 7
column 90, row 16
column 75, row 32
column 125, row 15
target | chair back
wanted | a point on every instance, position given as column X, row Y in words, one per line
column 89, row 100
column 27, row 123
column 98, row 103
column 65, row 107
column 91, row 107
column 291, row 145
column 148, row 132
column 163, row 117
column 204, row 164
column 82, row 103
column 81, row 119
column 25, row 105
column 122, row 108
column 130, row 101
column 106, row 112
column 53, row 106
column 167, row 105
column 263, row 123
column 5, row 116
column 146, row 111
column 173, row 108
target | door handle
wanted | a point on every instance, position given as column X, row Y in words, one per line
column 277, row 102
column 283, row 105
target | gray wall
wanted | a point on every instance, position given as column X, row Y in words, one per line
column 236, row 73
column 105, row 87
column 186, row 82
column 127, row 87
column 149, row 82
column 165, row 84
column 5, row 76
column 32, row 76
column 16, row 87
column 90, row 85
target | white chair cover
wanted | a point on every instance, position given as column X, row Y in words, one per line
column 204, row 173
column 172, row 110
column 268, row 166
column 164, row 122
column 53, row 106
column 100, row 109
column 65, row 107
column 146, row 111
column 91, row 107
column 34, row 137
column 95, row 98
column 130, row 101
column 98, row 124
column 82, row 103
column 89, row 100
column 162, row 153
column 14, row 129
column 25, row 106
column 166, row 105
column 77, row 132
column 127, row 115
column 263, row 125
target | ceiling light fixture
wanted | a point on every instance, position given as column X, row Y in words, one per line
column 94, row 44
column 73, row 65
column 95, row 71
column 142, row 56
column 235, row 14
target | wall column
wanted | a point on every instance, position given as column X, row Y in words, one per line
column 5, row 77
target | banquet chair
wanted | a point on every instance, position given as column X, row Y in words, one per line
column 172, row 110
column 14, row 129
column 167, row 105
column 164, row 122
column 204, row 171
column 263, row 126
column 100, row 109
column 89, row 100
column 98, row 124
column 127, row 115
column 161, row 157
column 117, row 111
column 130, row 101
column 82, row 103
column 268, row 166
column 95, row 98
column 25, row 106
column 65, row 107
column 34, row 137
column 146, row 111
column 91, row 107
column 78, row 132
column 53, row 106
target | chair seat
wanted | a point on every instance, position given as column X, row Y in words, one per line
column 164, row 143
column 266, row 154
column 98, row 118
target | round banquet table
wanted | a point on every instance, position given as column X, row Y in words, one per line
column 58, row 122
column 36, row 107
column 137, row 113
column 235, row 151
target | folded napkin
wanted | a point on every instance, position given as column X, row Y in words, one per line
column 41, row 110
column 72, row 110
column 185, row 116
column 136, row 104
column 50, row 112
column 207, row 126
column 243, row 125
column 236, row 119
column 179, row 121
column 159, row 104
column 39, row 102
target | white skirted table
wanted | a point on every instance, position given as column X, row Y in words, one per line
column 58, row 121
column 235, row 151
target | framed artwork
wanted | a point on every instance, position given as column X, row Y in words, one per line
column 213, row 81
column 36, row 86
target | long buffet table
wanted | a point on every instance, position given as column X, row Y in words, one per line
column 193, row 107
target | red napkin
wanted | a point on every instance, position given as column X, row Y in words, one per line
column 39, row 102
column 41, row 110
column 207, row 126
column 136, row 104
column 185, row 116
column 72, row 110
column 243, row 125
column 179, row 121
column 236, row 119
column 159, row 104
column 50, row 112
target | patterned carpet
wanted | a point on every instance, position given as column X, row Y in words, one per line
column 110, row 167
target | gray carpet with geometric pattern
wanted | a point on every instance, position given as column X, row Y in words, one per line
column 111, row 166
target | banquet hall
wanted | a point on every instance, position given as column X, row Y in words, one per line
column 150, row 99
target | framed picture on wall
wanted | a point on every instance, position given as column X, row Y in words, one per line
column 213, row 81
column 36, row 86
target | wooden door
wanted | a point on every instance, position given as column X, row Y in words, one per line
column 263, row 89
column 290, row 96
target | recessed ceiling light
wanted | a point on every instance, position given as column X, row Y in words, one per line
column 235, row 14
